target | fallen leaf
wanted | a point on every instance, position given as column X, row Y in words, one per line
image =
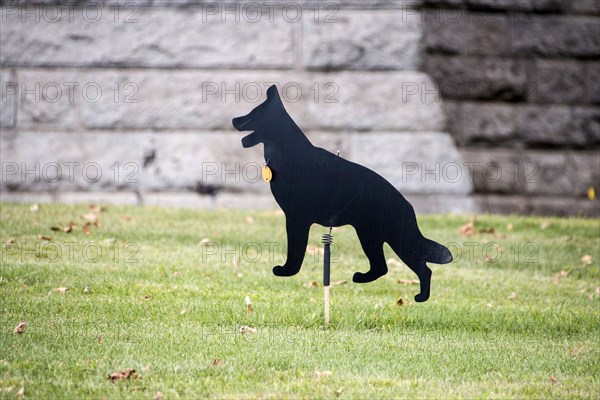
column 95, row 208
column 20, row 328
column 56, row 228
column 338, row 283
column 128, row 218
column 7, row 389
column 100, row 339
column 10, row 240
column 69, row 228
column 544, row 224
column 408, row 281
column 467, row 229
column 86, row 228
column 205, row 240
column 247, row 329
column 338, row 392
column 591, row 296
column 322, row 374
column 61, row 290
column 509, row 226
column 500, row 236
column 597, row 291
column 158, row 396
column 249, row 307
column 591, row 193
column 147, row 368
column 148, row 297
column 90, row 217
column 586, row 260
column 21, row 392
column 126, row 374
column 512, row 296
column 176, row 274
column 488, row 230
column 393, row 261
column 562, row 274
column 47, row 238
column 217, row 362
column 400, row 302
column 311, row 284
column 86, row 290
column 553, row 380
column 249, row 219
column 34, row 208
column 184, row 311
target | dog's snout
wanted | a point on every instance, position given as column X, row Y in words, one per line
column 240, row 122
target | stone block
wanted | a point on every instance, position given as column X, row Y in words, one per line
column 591, row 7
column 144, row 37
column 585, row 126
column 586, row 167
column 8, row 98
column 422, row 162
column 489, row 123
column 593, row 82
column 444, row 32
column 380, row 40
column 553, row 36
column 497, row 170
column 551, row 173
column 547, row 125
column 559, row 82
column 488, row 34
column 475, row 78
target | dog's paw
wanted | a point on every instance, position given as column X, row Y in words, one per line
column 420, row 298
column 359, row 277
column 283, row 271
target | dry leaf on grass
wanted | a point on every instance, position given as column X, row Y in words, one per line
column 249, row 307
column 393, row 261
column 86, row 290
column 400, row 302
column 34, row 208
column 322, row 374
column 586, row 260
column 247, row 329
column 158, row 396
column 69, row 228
column 20, row 328
column 184, row 311
column 553, row 380
column 123, row 375
column 545, row 225
column 148, row 297
column 46, row 238
column 176, row 274
column 249, row 219
column 95, row 208
column 147, row 368
column 338, row 392
column 467, row 229
column 562, row 274
column 10, row 240
column 56, row 228
column 311, row 284
column 61, row 290
column 512, row 296
column 21, row 392
column 408, row 281
column 338, row 283
column 90, row 217
column 128, row 218
column 205, row 240
column 86, row 228
column 217, row 362
column 509, row 226
column 577, row 349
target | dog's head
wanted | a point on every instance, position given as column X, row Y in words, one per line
column 260, row 120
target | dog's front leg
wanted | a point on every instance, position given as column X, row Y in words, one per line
column 297, row 238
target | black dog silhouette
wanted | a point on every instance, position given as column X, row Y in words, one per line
column 312, row 185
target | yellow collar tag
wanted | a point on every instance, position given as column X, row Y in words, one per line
column 267, row 174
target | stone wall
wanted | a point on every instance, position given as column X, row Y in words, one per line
column 521, row 88
column 134, row 98
column 137, row 99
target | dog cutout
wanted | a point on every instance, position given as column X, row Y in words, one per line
column 312, row 185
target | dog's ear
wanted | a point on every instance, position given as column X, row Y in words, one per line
column 272, row 93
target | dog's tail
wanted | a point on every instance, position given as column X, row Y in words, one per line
column 436, row 253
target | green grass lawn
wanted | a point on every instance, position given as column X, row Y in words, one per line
column 516, row 315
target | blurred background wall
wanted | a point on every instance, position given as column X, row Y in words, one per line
column 464, row 105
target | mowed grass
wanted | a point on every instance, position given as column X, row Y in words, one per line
column 503, row 320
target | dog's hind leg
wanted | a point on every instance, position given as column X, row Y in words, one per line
column 411, row 254
column 297, row 237
column 374, row 251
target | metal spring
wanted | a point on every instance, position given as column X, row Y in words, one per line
column 327, row 238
